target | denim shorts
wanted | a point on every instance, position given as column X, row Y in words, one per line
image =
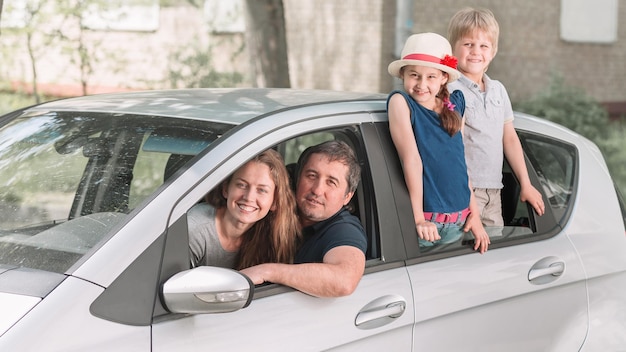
column 449, row 232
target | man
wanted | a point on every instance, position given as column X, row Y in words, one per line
column 331, row 260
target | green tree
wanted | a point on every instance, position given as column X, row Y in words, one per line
column 48, row 27
column 570, row 107
column 34, row 34
column 573, row 108
column 1, row 3
column 84, row 47
column 191, row 66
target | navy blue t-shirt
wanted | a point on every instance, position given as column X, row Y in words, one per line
column 341, row 229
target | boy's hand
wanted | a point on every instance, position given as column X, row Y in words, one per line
column 532, row 196
column 481, row 237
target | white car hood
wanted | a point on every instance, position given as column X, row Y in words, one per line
column 14, row 307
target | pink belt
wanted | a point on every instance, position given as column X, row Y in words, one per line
column 458, row 216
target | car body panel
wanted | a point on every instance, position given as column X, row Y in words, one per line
column 13, row 307
column 62, row 322
column 488, row 301
column 596, row 213
column 295, row 321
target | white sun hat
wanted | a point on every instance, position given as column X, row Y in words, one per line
column 427, row 49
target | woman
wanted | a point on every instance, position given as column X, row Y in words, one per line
column 249, row 219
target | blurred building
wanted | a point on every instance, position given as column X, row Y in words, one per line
column 341, row 45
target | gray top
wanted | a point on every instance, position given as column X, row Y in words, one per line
column 485, row 115
column 204, row 244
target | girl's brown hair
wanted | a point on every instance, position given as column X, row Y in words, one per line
column 450, row 119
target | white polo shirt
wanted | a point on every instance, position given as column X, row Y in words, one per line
column 485, row 115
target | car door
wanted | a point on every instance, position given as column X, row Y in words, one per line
column 526, row 293
column 378, row 315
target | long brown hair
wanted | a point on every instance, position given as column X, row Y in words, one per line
column 272, row 239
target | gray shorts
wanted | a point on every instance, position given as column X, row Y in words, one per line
column 490, row 206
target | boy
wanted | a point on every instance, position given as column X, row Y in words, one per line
column 489, row 133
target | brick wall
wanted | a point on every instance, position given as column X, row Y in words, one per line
column 530, row 49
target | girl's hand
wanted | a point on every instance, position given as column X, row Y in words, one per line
column 427, row 231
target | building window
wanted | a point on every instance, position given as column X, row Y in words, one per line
column 132, row 15
column 585, row 21
column 225, row 16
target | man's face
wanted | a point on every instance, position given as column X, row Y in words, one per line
column 322, row 189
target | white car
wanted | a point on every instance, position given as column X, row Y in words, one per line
column 94, row 255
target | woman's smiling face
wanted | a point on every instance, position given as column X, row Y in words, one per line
column 250, row 193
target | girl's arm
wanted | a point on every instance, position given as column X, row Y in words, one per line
column 406, row 146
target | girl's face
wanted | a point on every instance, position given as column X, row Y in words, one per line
column 250, row 193
column 423, row 84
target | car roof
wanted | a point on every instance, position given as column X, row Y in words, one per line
column 238, row 105
column 233, row 105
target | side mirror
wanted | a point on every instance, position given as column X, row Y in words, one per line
column 207, row 289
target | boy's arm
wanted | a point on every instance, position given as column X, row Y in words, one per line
column 515, row 156
column 474, row 224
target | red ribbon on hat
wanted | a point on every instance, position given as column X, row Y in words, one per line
column 447, row 60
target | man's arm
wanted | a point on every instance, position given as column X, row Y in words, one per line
column 338, row 275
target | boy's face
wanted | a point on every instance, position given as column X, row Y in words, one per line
column 474, row 53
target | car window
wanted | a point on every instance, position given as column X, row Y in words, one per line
column 622, row 204
column 293, row 147
column 67, row 178
column 555, row 164
column 362, row 203
column 552, row 169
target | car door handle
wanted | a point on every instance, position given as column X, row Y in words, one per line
column 546, row 270
column 379, row 312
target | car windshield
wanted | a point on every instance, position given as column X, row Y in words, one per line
column 67, row 178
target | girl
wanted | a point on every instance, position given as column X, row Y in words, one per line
column 250, row 219
column 425, row 123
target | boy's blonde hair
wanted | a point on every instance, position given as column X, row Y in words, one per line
column 468, row 20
